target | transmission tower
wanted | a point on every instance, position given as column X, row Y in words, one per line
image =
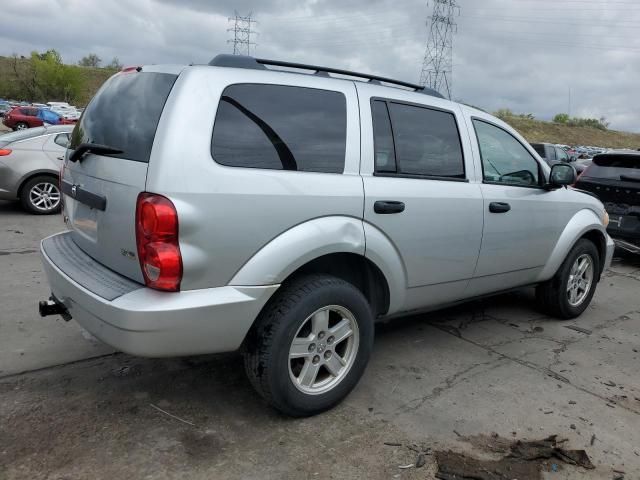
column 242, row 32
column 437, row 66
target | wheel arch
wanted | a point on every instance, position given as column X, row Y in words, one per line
column 33, row 174
column 584, row 224
column 333, row 245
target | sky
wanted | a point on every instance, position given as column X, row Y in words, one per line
column 529, row 56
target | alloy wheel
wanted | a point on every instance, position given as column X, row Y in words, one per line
column 580, row 280
column 44, row 196
column 323, row 350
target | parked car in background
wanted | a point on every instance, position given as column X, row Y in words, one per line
column 4, row 108
column 614, row 177
column 30, row 162
column 20, row 118
column 581, row 164
column 304, row 209
column 551, row 153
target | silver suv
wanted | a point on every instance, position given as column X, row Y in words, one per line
column 237, row 206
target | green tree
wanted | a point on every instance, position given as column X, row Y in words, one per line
column 91, row 60
column 561, row 118
column 55, row 80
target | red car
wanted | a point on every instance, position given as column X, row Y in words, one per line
column 20, row 118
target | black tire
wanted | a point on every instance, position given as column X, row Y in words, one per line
column 21, row 126
column 552, row 295
column 266, row 357
column 27, row 201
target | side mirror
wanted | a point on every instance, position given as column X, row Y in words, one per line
column 562, row 174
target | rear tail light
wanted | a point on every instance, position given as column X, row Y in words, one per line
column 157, row 242
column 4, row 152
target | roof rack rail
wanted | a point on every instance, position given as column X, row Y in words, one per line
column 243, row 61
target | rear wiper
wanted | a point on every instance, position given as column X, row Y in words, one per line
column 629, row 178
column 85, row 148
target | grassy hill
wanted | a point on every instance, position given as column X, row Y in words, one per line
column 539, row 131
column 93, row 78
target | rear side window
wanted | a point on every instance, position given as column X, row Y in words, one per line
column 613, row 166
column 426, row 141
column 124, row 114
column 281, row 128
column 539, row 148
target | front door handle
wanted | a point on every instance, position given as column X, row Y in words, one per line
column 385, row 207
column 499, row 207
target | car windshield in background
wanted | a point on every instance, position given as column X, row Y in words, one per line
column 612, row 166
column 124, row 114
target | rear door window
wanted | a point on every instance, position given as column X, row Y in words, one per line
column 280, row 127
column 125, row 113
column 425, row 141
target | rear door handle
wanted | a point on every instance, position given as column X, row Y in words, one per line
column 499, row 207
column 385, row 207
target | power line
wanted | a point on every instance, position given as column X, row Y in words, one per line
column 241, row 34
column 437, row 65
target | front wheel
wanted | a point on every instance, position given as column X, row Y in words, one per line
column 570, row 291
column 310, row 345
column 21, row 126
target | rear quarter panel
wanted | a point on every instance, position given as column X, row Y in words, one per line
column 227, row 214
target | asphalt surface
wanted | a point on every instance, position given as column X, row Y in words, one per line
column 70, row 408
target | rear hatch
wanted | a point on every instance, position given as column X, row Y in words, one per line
column 100, row 189
column 615, row 179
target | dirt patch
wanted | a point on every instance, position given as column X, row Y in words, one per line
column 524, row 460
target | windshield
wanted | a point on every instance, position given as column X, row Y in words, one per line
column 124, row 114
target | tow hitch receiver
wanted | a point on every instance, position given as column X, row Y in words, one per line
column 53, row 306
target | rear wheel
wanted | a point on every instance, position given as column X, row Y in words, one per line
column 570, row 291
column 41, row 195
column 310, row 345
column 21, row 126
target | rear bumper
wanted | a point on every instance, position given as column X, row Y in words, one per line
column 149, row 323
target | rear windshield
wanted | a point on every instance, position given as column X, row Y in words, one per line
column 539, row 148
column 124, row 114
column 613, row 166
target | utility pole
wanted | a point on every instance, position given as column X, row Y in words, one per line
column 242, row 32
column 437, row 65
column 569, row 110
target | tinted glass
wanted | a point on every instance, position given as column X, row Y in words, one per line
column 611, row 166
column 426, row 141
column 539, row 148
column 124, row 114
column 504, row 159
column 385, row 156
column 280, row 127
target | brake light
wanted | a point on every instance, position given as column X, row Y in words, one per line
column 130, row 69
column 157, row 242
column 4, row 152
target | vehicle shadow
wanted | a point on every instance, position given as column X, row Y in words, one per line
column 10, row 208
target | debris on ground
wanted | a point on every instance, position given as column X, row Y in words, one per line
column 524, row 460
